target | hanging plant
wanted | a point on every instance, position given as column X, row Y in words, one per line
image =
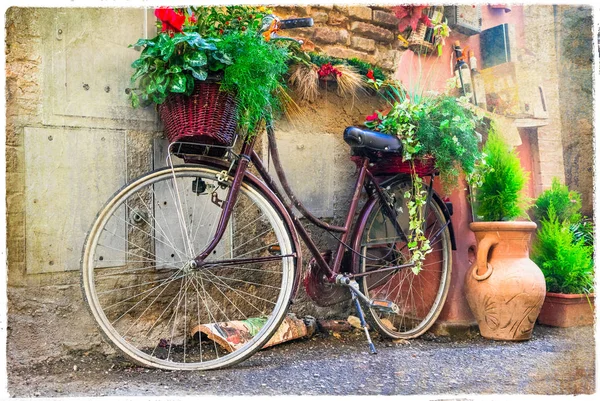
column 439, row 128
column 410, row 16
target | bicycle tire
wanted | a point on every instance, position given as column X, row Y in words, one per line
column 419, row 297
column 130, row 284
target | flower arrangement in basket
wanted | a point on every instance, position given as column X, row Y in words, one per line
column 438, row 134
column 425, row 27
column 210, row 72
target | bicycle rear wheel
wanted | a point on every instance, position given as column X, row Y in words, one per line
column 419, row 297
column 148, row 299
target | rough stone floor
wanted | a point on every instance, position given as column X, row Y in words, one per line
column 554, row 361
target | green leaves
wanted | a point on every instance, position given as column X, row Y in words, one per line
column 500, row 198
column 178, row 83
column 566, row 262
column 194, row 59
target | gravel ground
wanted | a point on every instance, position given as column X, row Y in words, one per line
column 554, row 361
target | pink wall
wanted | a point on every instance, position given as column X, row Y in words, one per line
column 431, row 73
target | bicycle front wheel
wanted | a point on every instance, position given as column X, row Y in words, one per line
column 419, row 296
column 153, row 304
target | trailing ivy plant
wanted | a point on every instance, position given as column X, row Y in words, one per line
column 438, row 127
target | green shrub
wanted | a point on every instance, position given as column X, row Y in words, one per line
column 566, row 262
column 583, row 230
column 567, row 204
column 500, row 197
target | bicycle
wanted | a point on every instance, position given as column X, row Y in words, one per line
column 186, row 252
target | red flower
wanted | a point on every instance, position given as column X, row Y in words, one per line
column 328, row 69
column 372, row 117
column 370, row 75
column 171, row 20
column 410, row 16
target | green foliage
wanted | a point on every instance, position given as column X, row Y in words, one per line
column 566, row 261
column 169, row 65
column 219, row 40
column 500, row 196
column 219, row 21
column 567, row 204
column 256, row 73
column 447, row 132
column 441, row 126
column 362, row 67
column 583, row 230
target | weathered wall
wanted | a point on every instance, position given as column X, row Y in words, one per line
column 47, row 317
column 575, row 47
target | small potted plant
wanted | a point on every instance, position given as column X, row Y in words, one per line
column 210, row 71
column 504, row 288
column 564, row 252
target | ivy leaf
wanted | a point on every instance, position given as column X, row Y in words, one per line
column 196, row 59
column 158, row 98
column 138, row 63
column 178, row 83
column 222, row 57
column 135, row 100
column 141, row 71
column 174, row 69
column 198, row 73
column 143, row 42
column 152, row 86
column 165, row 46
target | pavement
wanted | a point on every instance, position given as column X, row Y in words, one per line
column 555, row 361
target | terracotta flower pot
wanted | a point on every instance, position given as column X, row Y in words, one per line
column 567, row 310
column 504, row 288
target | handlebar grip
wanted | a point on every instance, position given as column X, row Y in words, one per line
column 296, row 23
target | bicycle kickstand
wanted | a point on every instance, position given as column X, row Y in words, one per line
column 353, row 286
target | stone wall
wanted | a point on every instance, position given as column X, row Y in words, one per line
column 575, row 66
column 368, row 33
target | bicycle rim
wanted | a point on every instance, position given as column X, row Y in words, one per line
column 419, row 296
column 147, row 300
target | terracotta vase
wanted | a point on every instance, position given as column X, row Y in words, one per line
column 567, row 310
column 504, row 288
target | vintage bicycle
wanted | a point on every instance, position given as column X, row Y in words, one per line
column 198, row 248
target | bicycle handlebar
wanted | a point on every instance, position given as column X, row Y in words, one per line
column 296, row 23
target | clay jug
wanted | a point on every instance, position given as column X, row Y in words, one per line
column 504, row 288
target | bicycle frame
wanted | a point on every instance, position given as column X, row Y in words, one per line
column 365, row 180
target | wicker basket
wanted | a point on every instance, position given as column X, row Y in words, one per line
column 417, row 42
column 208, row 116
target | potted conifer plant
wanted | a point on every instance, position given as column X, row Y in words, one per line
column 504, row 287
column 563, row 249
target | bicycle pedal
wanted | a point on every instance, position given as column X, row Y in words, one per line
column 384, row 306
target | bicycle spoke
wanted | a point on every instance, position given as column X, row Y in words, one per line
column 160, row 310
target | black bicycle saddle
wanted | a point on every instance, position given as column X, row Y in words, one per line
column 371, row 140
